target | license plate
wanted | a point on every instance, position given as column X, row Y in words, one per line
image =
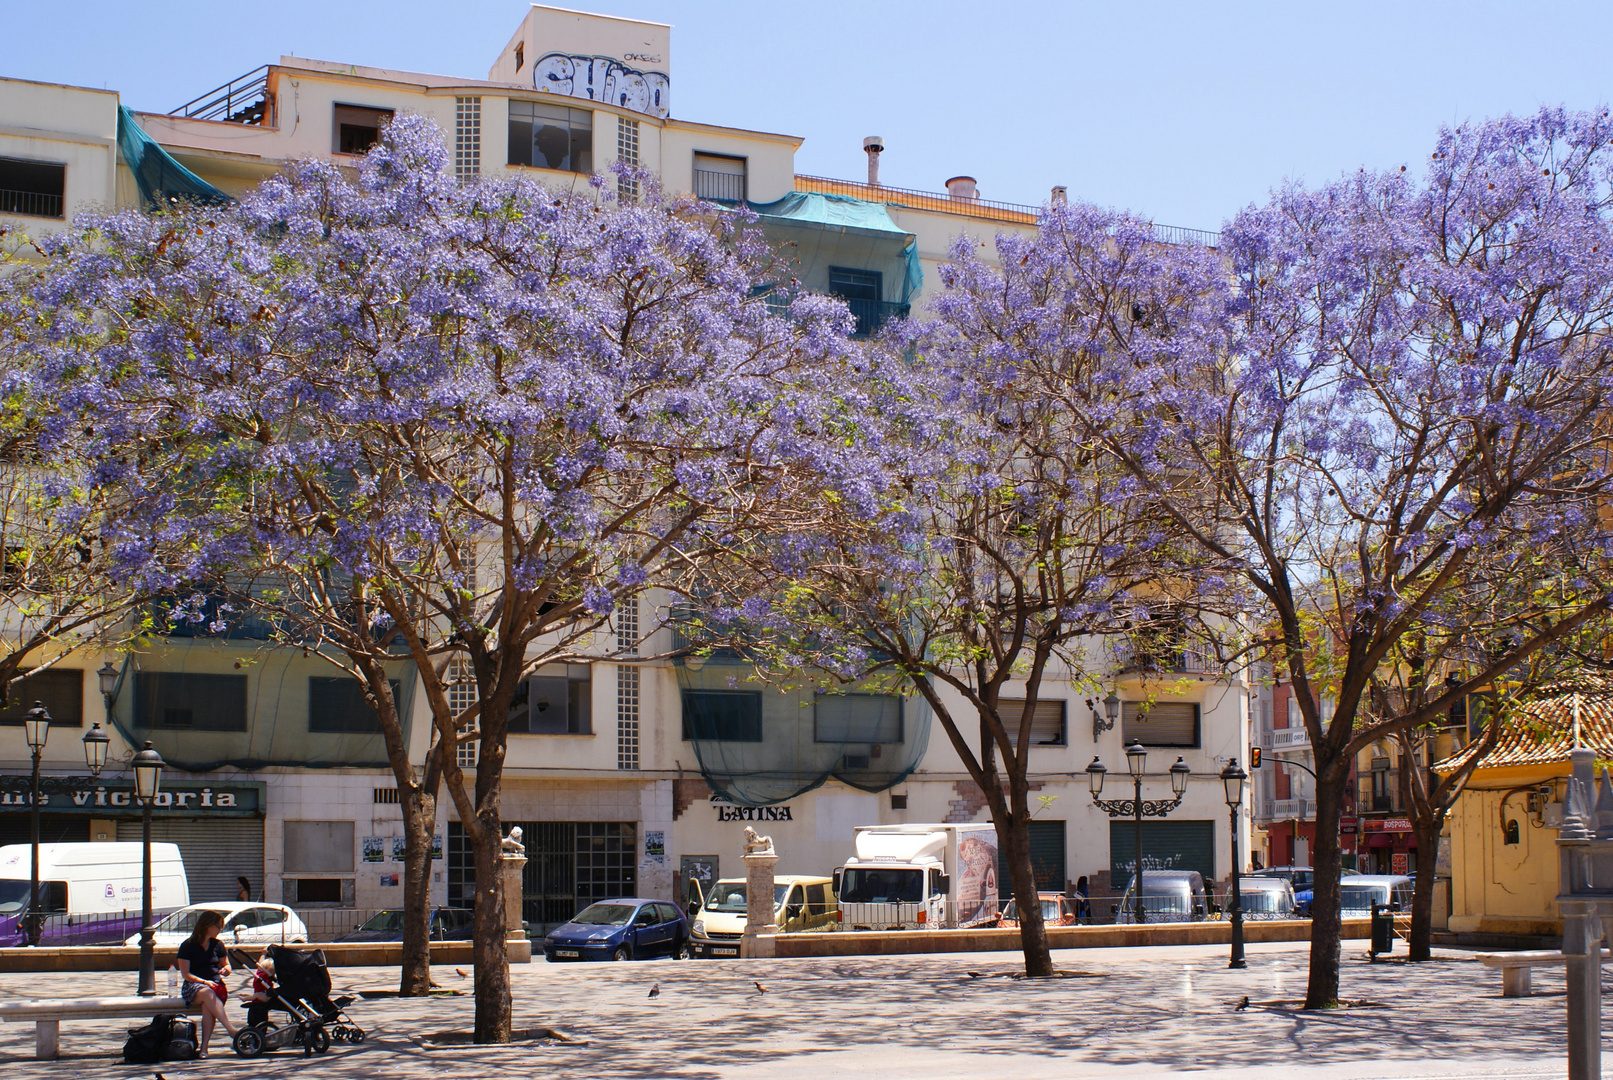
column 724, row 952
column 567, row 952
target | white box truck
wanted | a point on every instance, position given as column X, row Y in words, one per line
column 88, row 892
column 917, row 877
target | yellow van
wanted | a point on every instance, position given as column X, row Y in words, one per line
column 800, row 903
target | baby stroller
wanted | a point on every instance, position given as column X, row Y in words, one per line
column 301, row 987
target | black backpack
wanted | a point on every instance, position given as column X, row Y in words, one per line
column 148, row 1045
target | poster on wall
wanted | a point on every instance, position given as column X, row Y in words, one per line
column 1399, row 863
column 436, row 847
column 398, row 847
column 388, row 880
column 375, row 849
column 655, row 847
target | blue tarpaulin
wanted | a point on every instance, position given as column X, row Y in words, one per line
column 162, row 180
column 849, row 216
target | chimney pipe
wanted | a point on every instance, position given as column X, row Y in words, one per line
column 1061, row 195
column 873, row 146
column 963, row 189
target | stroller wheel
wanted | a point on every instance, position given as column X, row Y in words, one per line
column 317, row 1040
column 248, row 1042
column 355, row 1035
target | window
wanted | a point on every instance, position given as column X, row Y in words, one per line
column 862, row 290
column 337, row 706
column 627, row 154
column 385, row 795
column 666, row 913
column 1161, row 723
column 318, row 847
column 32, row 188
column 720, row 178
column 520, row 55
column 898, row 802
column 356, row 128
column 60, row 690
column 461, row 689
column 551, row 137
column 817, row 900
column 722, row 715
column 467, row 139
column 556, row 701
column 188, row 700
column 627, row 687
column 1047, row 722
column 327, row 891
column 627, row 641
column 857, row 718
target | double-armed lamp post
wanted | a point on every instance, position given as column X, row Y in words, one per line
column 1135, row 808
column 36, row 729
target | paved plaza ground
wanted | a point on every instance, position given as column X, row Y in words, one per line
column 1132, row 1012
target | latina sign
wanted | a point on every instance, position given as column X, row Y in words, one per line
column 113, row 798
column 729, row 812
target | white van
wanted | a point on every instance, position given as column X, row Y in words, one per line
column 88, row 893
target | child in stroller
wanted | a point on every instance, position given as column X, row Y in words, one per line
column 295, row 982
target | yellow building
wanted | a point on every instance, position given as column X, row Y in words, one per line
column 1503, row 829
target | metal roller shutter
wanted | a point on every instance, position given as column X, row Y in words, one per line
column 215, row 852
column 1167, row 845
column 1164, row 723
column 1047, row 856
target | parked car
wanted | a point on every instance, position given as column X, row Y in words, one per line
column 629, row 928
column 244, row 924
column 1263, row 898
column 447, row 924
column 1167, row 895
column 800, row 903
column 1057, row 910
column 1359, row 893
column 1303, row 879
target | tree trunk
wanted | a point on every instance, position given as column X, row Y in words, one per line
column 1422, row 896
column 492, row 980
column 1014, row 834
column 419, row 819
column 1322, row 990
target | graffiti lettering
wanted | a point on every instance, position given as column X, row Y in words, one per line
column 599, row 78
column 754, row 813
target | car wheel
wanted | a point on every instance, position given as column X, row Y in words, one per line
column 299, row 941
column 623, row 953
column 680, row 951
column 248, row 1042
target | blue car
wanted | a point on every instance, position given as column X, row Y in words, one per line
column 630, row 928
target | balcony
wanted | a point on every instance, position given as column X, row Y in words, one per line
column 873, row 314
column 719, row 186
column 30, row 203
column 1166, row 661
column 1291, row 740
column 1292, row 810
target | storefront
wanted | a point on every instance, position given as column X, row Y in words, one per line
column 1388, row 846
column 217, row 825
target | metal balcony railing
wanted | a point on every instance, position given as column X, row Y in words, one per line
column 1286, row 739
column 873, row 314
column 719, row 186
column 1169, row 661
column 243, row 100
column 30, row 203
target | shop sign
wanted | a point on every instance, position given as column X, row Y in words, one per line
column 1394, row 824
column 115, row 798
column 1347, row 824
column 729, row 812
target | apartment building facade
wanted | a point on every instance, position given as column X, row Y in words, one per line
column 605, row 774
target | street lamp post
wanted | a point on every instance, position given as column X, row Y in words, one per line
column 147, row 780
column 1232, row 777
column 36, row 729
column 1135, row 808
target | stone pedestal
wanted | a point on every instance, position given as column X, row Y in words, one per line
column 759, row 924
column 517, row 947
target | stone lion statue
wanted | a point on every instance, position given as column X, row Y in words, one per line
column 512, row 843
column 757, row 845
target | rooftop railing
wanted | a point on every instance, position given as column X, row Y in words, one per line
column 244, row 100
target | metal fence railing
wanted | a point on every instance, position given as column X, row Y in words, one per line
column 719, row 186
column 30, row 203
column 243, row 100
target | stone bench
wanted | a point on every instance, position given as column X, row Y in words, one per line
column 47, row 1015
column 1517, row 966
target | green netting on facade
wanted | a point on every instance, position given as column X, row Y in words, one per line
column 835, row 229
column 758, row 745
column 208, row 705
column 162, row 180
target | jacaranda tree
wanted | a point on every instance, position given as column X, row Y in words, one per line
column 468, row 419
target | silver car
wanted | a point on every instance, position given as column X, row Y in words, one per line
column 1264, row 898
column 1358, row 894
column 1168, row 896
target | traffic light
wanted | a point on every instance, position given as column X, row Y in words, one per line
column 1254, row 757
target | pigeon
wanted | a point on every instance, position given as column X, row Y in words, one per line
column 460, row 972
column 159, row 1076
column 975, row 974
column 655, row 991
column 760, row 989
column 1243, row 1003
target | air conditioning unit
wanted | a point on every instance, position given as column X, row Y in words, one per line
column 856, row 761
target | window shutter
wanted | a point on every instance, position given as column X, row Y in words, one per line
column 1047, row 723
column 1166, row 723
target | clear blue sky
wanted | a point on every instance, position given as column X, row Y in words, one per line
column 1185, row 111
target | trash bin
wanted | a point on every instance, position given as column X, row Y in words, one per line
column 1383, row 929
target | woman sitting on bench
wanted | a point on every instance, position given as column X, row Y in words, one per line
column 203, row 968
